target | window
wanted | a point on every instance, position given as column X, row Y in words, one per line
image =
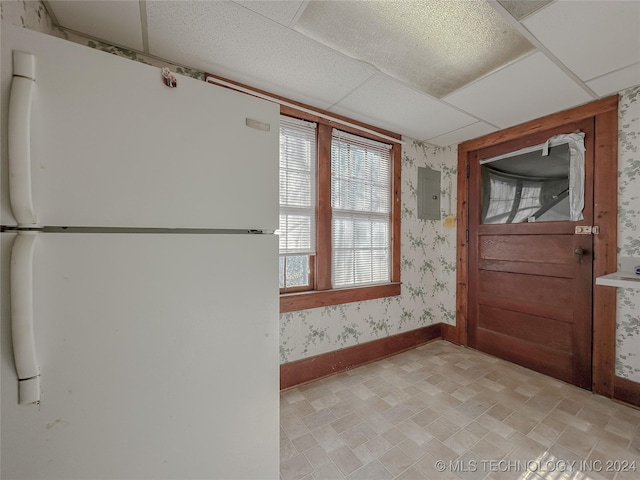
column 339, row 214
column 361, row 209
column 541, row 183
column 297, row 203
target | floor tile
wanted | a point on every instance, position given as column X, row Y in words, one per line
column 377, row 446
column 328, row 438
column 544, row 434
column 328, row 472
column 414, row 450
column 461, row 441
column 425, row 417
column 304, row 442
column 394, row 436
column 295, row 468
column 318, row 419
column 341, row 409
column 317, row 457
column 364, row 454
column 442, row 412
column 442, row 428
column 354, row 437
column 499, row 411
column 412, row 474
column 396, row 461
column 397, row 414
column 576, row 441
column 520, row 422
column 345, row 423
column 303, row 408
column 373, row 470
column 486, row 450
column 344, row 458
column 287, row 451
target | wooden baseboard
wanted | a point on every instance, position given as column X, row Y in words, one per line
column 312, row 368
column 626, row 391
column 450, row 333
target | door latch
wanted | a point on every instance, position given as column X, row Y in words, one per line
column 587, row 230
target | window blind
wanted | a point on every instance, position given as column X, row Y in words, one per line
column 297, row 187
column 361, row 210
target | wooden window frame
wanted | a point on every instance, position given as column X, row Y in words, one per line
column 323, row 294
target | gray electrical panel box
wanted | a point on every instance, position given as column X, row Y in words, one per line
column 428, row 194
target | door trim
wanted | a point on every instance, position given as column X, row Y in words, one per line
column 605, row 212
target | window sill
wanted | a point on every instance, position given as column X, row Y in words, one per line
column 290, row 302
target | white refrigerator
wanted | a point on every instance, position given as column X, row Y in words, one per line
column 139, row 294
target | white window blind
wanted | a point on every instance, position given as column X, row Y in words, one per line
column 361, row 210
column 297, row 187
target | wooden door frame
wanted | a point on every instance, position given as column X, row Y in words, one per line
column 605, row 214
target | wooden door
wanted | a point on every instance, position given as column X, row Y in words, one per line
column 530, row 284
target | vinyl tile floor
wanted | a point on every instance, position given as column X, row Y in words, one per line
column 444, row 412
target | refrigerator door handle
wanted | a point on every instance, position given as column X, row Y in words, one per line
column 19, row 139
column 24, row 346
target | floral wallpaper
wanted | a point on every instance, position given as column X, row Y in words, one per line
column 628, row 304
column 33, row 15
column 28, row 14
column 428, row 247
column 427, row 271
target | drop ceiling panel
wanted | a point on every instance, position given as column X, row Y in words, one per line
column 117, row 22
column 281, row 11
column 435, row 46
column 616, row 81
column 463, row 134
column 385, row 103
column 229, row 40
column 590, row 38
column 525, row 90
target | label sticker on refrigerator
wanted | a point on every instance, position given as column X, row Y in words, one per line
column 257, row 124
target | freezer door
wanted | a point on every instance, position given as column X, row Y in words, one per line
column 158, row 358
column 112, row 146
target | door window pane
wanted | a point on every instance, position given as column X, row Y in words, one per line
column 529, row 187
